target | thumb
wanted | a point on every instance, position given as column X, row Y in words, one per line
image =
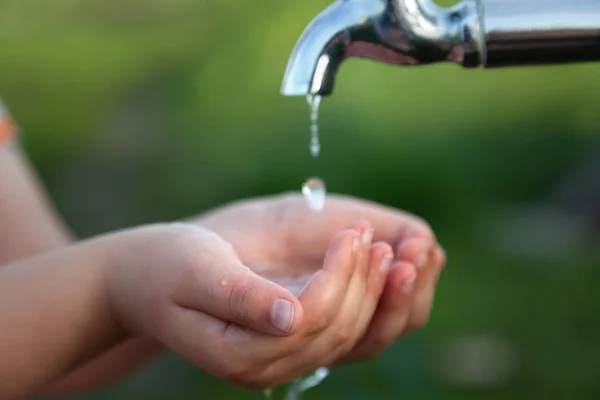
column 229, row 291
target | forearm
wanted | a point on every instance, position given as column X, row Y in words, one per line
column 121, row 360
column 28, row 222
column 54, row 314
column 111, row 366
column 126, row 357
column 29, row 225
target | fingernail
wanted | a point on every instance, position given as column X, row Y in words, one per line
column 410, row 283
column 356, row 245
column 386, row 262
column 367, row 236
column 282, row 315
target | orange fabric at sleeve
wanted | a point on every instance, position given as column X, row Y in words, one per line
column 8, row 129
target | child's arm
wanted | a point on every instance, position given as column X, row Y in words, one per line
column 111, row 366
column 29, row 225
column 183, row 286
column 179, row 285
column 54, row 314
column 64, row 304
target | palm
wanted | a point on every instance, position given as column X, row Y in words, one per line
column 281, row 237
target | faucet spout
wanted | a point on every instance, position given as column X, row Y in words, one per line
column 486, row 33
column 323, row 46
column 404, row 32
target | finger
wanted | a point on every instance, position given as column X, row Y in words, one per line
column 323, row 296
column 321, row 299
column 227, row 351
column 440, row 256
column 197, row 337
column 424, row 293
column 391, row 316
column 343, row 332
column 233, row 353
column 391, row 225
column 340, row 326
column 221, row 286
column 379, row 267
column 415, row 250
column 347, row 321
column 354, row 301
column 224, row 350
column 419, row 250
column 361, row 269
column 359, row 278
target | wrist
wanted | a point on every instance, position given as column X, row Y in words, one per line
column 131, row 256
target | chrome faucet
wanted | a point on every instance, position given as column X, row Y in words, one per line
column 487, row 33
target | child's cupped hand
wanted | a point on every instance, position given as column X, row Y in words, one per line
column 185, row 287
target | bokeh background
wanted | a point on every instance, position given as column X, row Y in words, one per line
column 137, row 111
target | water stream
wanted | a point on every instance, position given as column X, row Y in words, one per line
column 315, row 193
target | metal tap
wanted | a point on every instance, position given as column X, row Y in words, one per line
column 473, row 33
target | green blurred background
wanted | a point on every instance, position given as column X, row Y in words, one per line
column 144, row 110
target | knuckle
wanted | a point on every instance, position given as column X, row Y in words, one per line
column 316, row 326
column 185, row 245
column 384, row 248
column 372, row 352
column 347, row 347
column 377, row 345
column 237, row 372
column 342, row 338
column 380, row 343
column 418, row 321
column 248, row 378
column 159, row 315
column 189, row 237
column 423, row 228
column 443, row 258
column 423, row 224
column 186, row 270
column 238, row 294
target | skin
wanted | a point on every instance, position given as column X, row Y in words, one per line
column 182, row 286
column 301, row 237
column 29, row 223
column 373, row 298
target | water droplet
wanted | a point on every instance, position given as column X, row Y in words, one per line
column 306, row 383
column 313, row 380
column 314, row 192
column 315, row 146
column 313, row 107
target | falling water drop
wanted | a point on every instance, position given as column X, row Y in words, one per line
column 314, row 193
column 303, row 384
column 313, row 105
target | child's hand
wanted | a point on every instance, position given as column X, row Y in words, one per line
column 280, row 237
column 185, row 287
